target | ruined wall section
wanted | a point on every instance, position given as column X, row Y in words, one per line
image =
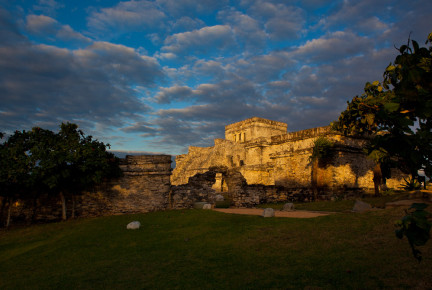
column 282, row 160
column 144, row 186
column 200, row 159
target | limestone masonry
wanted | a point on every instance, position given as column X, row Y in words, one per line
column 265, row 154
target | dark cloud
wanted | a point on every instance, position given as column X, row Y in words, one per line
column 9, row 32
column 52, row 30
column 43, row 84
column 177, row 93
column 141, row 127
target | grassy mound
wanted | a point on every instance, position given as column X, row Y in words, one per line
column 206, row 249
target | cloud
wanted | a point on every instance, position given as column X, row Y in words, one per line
column 211, row 63
column 51, row 29
column 48, row 7
column 333, row 46
column 177, row 93
column 126, row 17
column 204, row 40
column 9, row 32
column 141, row 127
column 186, row 23
column 94, row 87
column 179, row 8
column 211, row 69
column 266, row 67
column 248, row 30
column 121, row 64
column 282, row 22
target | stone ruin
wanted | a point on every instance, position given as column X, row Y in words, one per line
column 266, row 155
column 257, row 162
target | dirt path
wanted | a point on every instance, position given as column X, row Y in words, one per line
column 278, row 213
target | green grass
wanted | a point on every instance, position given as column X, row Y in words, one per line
column 202, row 249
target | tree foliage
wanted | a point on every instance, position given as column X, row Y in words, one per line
column 61, row 164
column 397, row 112
column 416, row 226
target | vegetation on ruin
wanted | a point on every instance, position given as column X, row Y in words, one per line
column 322, row 149
column 190, row 249
column 44, row 162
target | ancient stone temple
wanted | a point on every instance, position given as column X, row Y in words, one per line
column 266, row 154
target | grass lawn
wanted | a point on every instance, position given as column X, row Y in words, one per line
column 201, row 249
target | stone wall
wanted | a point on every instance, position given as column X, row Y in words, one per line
column 144, row 186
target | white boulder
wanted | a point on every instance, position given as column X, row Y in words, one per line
column 133, row 225
column 207, row 206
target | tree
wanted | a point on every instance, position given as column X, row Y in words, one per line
column 396, row 113
column 70, row 162
column 15, row 171
column 61, row 164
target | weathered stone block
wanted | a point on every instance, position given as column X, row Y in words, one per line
column 207, row 206
column 288, row 207
column 361, row 206
column 268, row 212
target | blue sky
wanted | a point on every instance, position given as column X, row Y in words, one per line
column 158, row 76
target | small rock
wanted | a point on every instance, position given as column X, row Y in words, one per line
column 288, row 207
column 133, row 225
column 207, row 206
column 268, row 212
column 219, row 197
column 361, row 206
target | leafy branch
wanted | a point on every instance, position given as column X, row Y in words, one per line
column 416, row 226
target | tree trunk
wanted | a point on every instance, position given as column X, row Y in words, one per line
column 33, row 217
column 377, row 178
column 73, row 206
column 63, row 202
column 8, row 218
column 2, row 209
